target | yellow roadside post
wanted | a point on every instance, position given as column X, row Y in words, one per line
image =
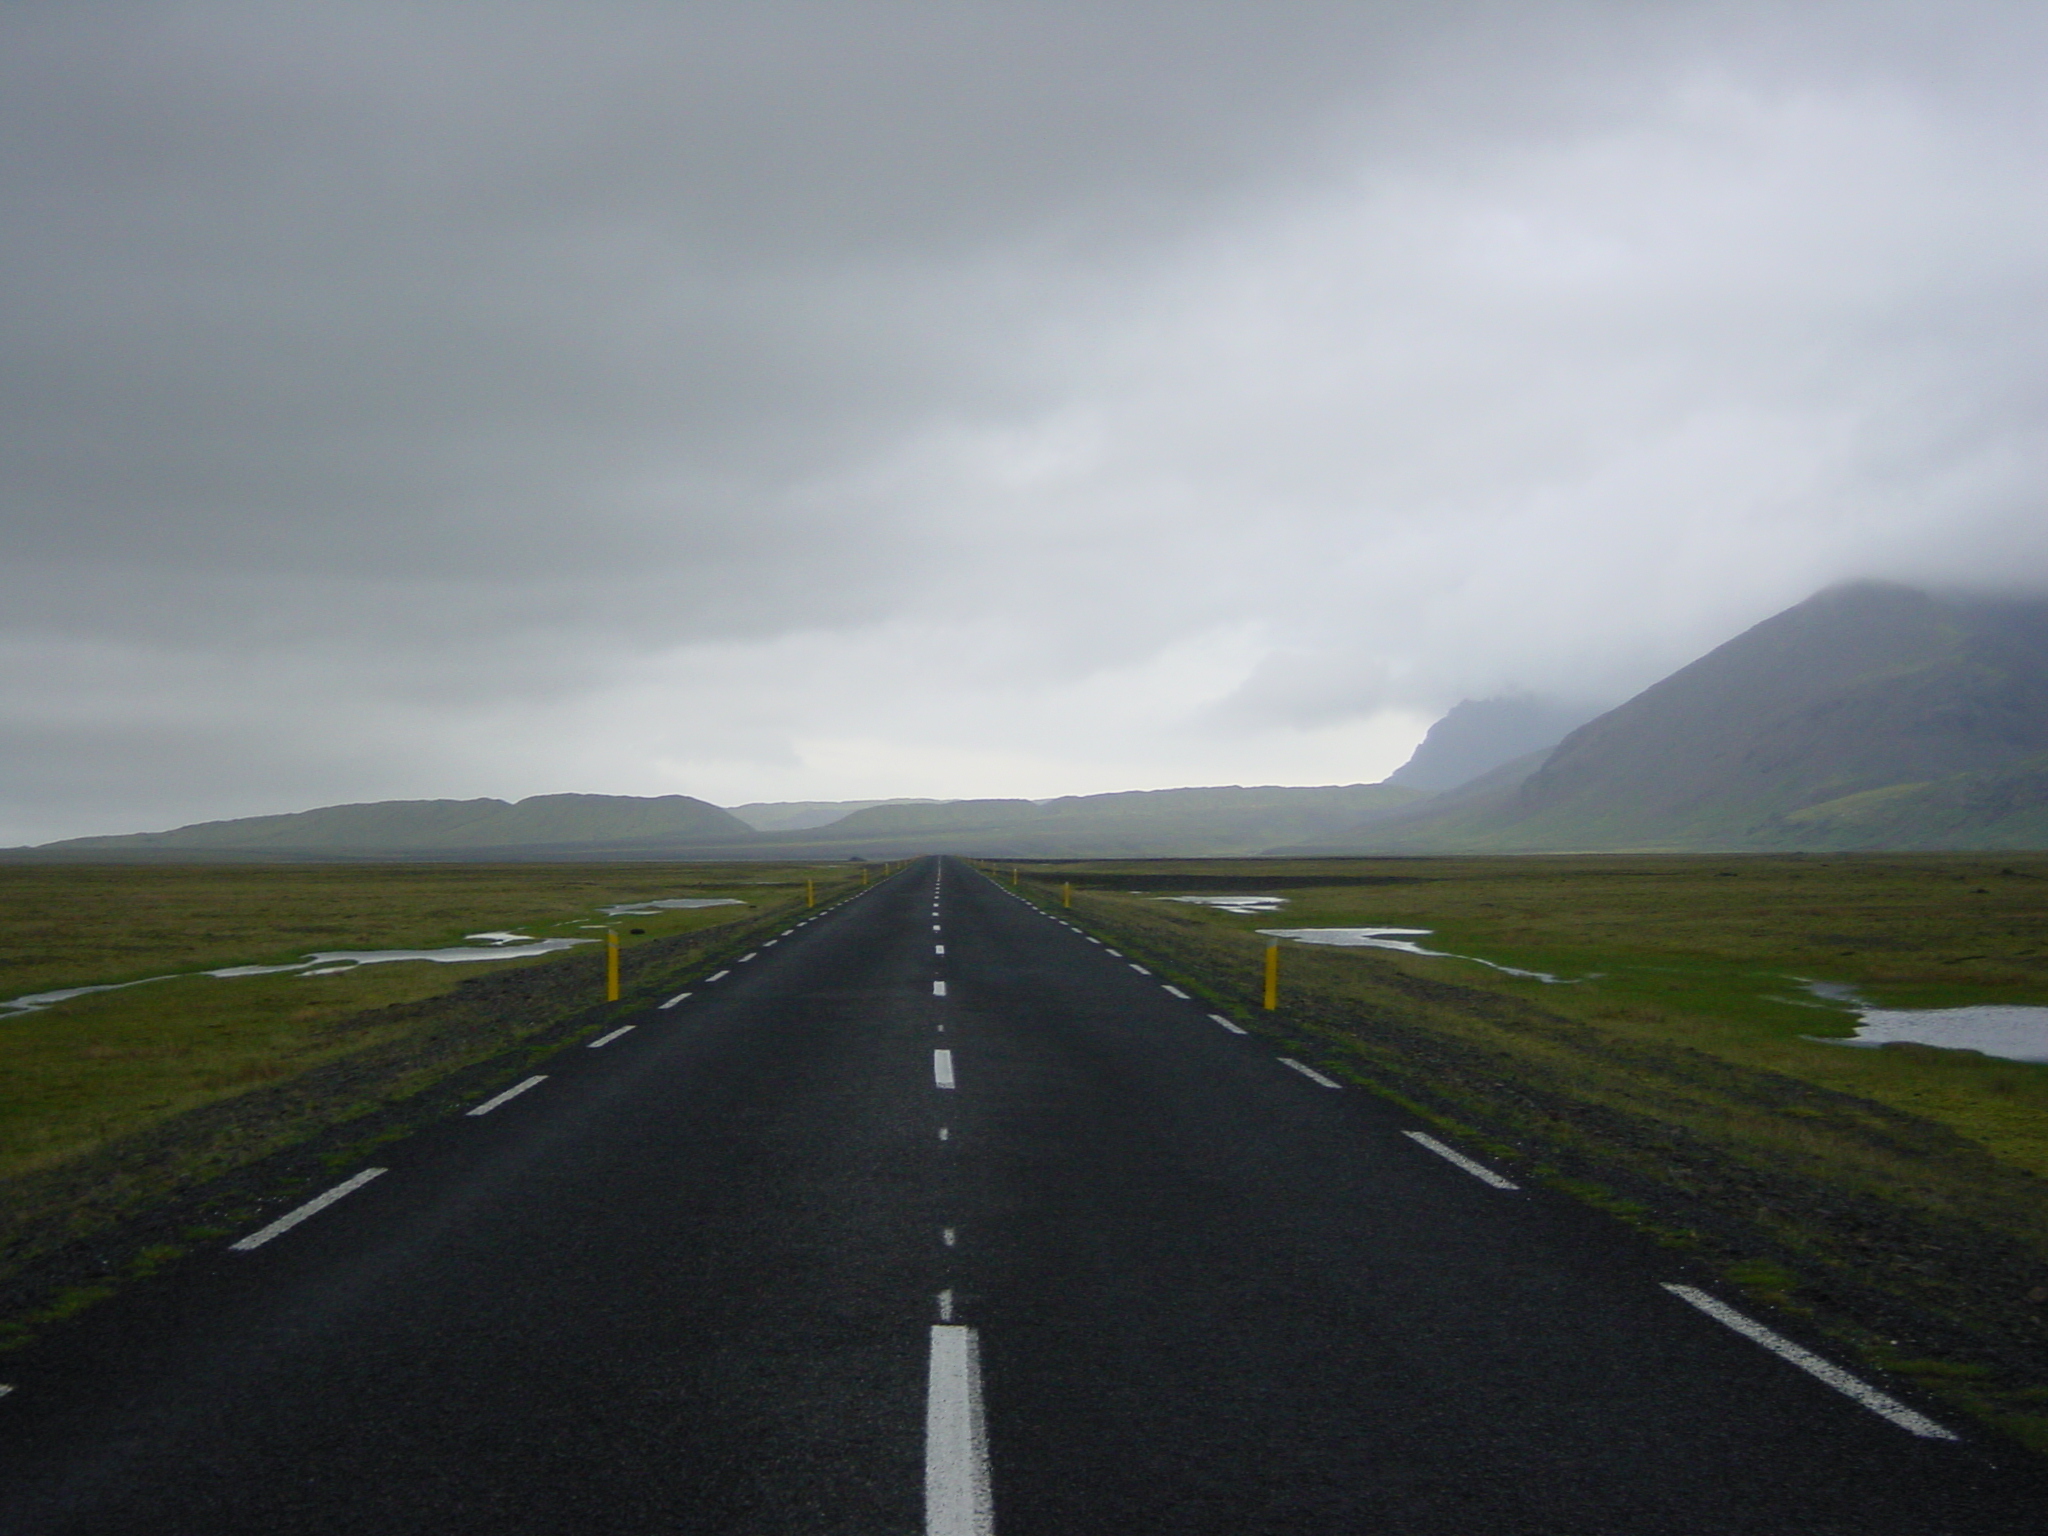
column 863, row 874
column 810, row 892
column 1273, row 974
column 1013, row 877
column 611, row 965
column 1066, row 893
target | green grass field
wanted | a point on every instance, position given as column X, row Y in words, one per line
column 91, row 1070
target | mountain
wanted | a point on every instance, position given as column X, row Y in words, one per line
column 1869, row 716
column 1192, row 822
column 1131, row 824
column 1479, row 735
column 797, row 815
column 421, row 826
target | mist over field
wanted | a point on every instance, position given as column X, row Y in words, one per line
column 778, row 402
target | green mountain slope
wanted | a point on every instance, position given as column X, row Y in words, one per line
column 1868, row 716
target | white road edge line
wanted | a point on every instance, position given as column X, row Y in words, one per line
column 942, row 1068
column 623, row 1029
column 957, row 1501
column 1139, row 969
column 717, row 976
column 1235, row 1029
column 510, row 1093
column 1309, row 1072
column 312, row 1207
column 5, row 1388
column 1176, row 991
column 1483, row 1174
column 938, row 989
column 1862, row 1391
column 674, row 1000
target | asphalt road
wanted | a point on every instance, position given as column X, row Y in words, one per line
column 936, row 1215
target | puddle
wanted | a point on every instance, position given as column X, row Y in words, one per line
column 2015, row 1032
column 1403, row 939
column 668, row 904
column 322, row 964
column 36, row 1000
column 452, row 956
column 1243, row 906
column 493, row 944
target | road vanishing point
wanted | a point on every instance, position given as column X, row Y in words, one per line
column 937, row 1214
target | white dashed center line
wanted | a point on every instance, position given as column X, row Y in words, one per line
column 938, row 949
column 1877, row 1402
column 938, row 989
column 1309, row 1072
column 1478, row 1171
column 623, row 1029
column 942, row 1068
column 957, row 1501
column 312, row 1207
column 510, row 1093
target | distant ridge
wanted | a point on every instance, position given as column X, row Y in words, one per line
column 798, row 815
column 1217, row 821
column 1479, row 735
column 1869, row 716
column 416, row 826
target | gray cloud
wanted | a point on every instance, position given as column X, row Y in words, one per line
column 763, row 400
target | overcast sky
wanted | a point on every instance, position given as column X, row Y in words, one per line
column 776, row 401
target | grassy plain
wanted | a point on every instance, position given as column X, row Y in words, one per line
column 82, row 1073
column 1674, row 1074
